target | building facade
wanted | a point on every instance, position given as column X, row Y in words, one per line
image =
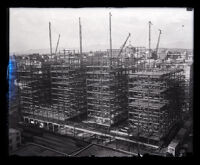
column 14, row 139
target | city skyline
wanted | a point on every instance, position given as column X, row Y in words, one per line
column 29, row 27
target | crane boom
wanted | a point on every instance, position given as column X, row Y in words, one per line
column 157, row 46
column 57, row 44
column 124, row 45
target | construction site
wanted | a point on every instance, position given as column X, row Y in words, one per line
column 106, row 90
column 153, row 108
column 122, row 96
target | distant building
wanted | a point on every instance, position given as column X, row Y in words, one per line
column 14, row 139
column 181, row 60
column 173, row 147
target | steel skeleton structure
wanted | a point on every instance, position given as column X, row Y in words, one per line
column 106, row 90
column 33, row 83
column 68, row 85
column 187, row 81
column 154, row 102
column 55, row 90
column 51, row 89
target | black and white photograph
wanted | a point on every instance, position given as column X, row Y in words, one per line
column 100, row 82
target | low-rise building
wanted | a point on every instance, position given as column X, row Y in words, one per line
column 14, row 139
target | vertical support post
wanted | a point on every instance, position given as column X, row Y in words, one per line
column 110, row 36
column 50, row 38
column 80, row 35
column 150, row 40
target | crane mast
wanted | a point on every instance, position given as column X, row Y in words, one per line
column 150, row 38
column 50, row 38
column 110, row 35
column 80, row 35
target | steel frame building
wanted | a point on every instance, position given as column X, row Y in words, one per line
column 51, row 89
column 33, row 83
column 106, row 90
column 154, row 102
column 55, row 90
column 68, row 87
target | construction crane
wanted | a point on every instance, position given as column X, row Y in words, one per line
column 124, row 44
column 50, row 38
column 80, row 35
column 110, row 35
column 150, row 23
column 57, row 44
column 155, row 53
column 158, row 42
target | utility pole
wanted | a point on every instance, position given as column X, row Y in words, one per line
column 110, row 35
column 57, row 44
column 150, row 40
column 50, row 38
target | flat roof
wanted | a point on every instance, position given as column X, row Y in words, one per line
column 12, row 130
column 154, row 73
column 173, row 143
column 100, row 151
column 34, row 150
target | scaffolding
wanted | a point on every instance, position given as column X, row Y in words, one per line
column 68, row 85
column 52, row 88
column 106, row 90
column 154, row 102
column 32, row 80
column 187, row 80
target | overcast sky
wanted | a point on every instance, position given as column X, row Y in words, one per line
column 29, row 27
